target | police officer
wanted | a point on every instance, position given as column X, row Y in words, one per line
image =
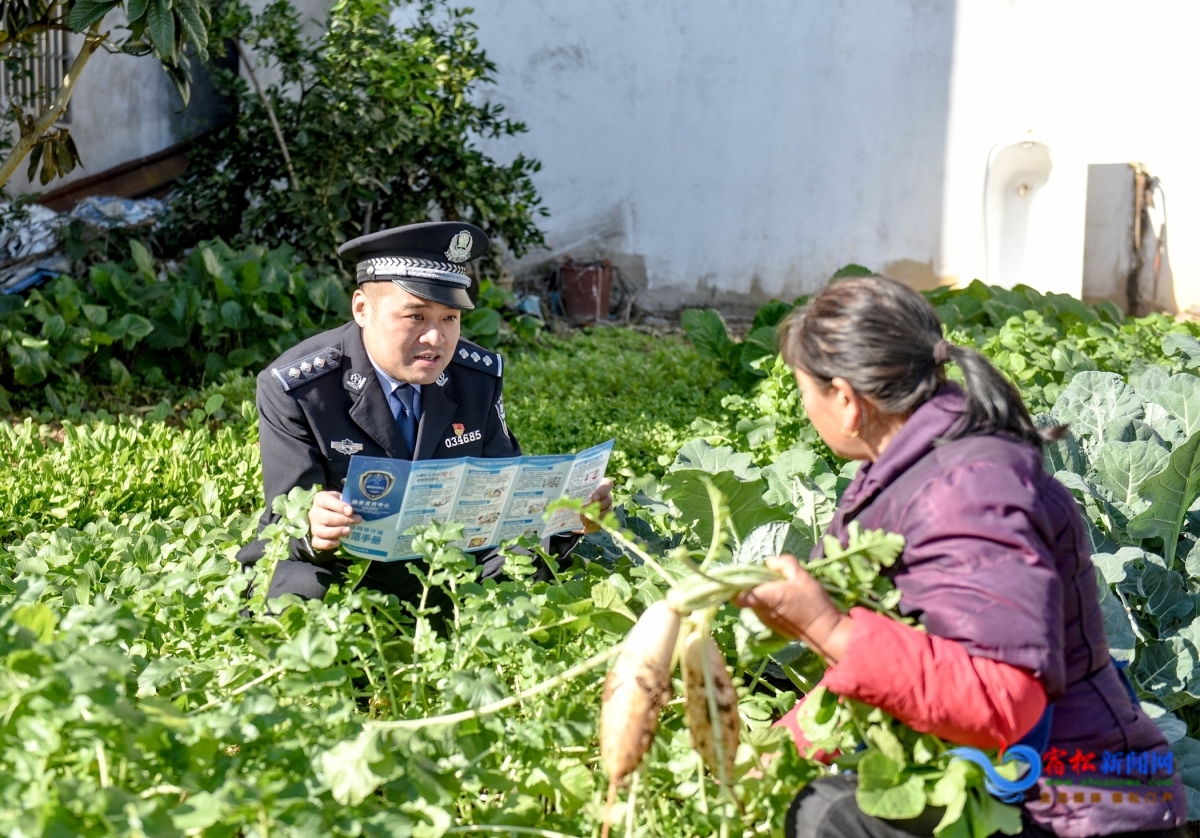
column 397, row 382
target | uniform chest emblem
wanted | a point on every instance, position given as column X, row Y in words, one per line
column 346, row 446
column 462, row 436
column 375, row 484
column 356, row 382
column 442, row 380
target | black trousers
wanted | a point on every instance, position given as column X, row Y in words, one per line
column 826, row 809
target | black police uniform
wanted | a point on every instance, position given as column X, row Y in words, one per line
column 321, row 402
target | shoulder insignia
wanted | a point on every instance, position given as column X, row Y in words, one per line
column 477, row 358
column 306, row 369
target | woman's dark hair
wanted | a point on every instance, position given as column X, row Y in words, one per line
column 886, row 341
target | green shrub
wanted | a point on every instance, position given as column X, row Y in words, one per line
column 381, row 126
column 146, row 325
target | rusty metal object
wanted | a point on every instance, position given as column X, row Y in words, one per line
column 585, row 288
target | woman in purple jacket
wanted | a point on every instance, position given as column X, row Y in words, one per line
column 996, row 567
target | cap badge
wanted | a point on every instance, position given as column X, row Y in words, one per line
column 356, row 382
column 458, row 429
column 460, row 247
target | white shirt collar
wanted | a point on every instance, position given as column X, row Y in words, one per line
column 389, row 384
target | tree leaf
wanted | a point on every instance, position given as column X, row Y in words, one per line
column 134, row 9
column 86, row 12
column 161, row 26
column 195, row 28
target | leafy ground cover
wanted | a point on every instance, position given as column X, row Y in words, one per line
column 141, row 701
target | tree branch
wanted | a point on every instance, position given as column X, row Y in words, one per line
column 287, row 158
column 31, row 133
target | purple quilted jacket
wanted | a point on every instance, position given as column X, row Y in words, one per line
column 996, row 557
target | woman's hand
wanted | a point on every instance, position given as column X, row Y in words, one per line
column 798, row 607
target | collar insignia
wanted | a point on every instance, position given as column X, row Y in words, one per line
column 442, row 379
column 346, row 446
column 356, row 382
column 460, row 247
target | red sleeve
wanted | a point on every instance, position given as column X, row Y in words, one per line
column 933, row 685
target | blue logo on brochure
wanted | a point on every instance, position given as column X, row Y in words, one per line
column 375, row 484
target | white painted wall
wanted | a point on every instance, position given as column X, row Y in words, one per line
column 1099, row 82
column 734, row 150
column 737, row 150
column 731, row 147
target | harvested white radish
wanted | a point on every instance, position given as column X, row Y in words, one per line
column 717, row 744
column 636, row 689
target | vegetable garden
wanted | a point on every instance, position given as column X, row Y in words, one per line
column 147, row 688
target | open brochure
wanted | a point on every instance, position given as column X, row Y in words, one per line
column 494, row 499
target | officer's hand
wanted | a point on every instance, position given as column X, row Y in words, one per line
column 602, row 496
column 329, row 520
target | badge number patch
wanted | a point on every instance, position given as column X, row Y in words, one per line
column 462, row 436
column 346, row 446
column 375, row 484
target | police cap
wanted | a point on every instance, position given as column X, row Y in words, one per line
column 424, row 259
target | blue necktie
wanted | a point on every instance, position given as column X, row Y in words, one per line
column 407, row 408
